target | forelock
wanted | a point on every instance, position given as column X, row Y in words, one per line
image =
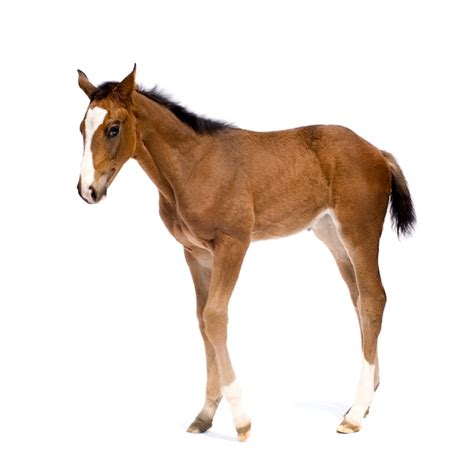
column 104, row 91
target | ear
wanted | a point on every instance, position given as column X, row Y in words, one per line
column 127, row 86
column 85, row 84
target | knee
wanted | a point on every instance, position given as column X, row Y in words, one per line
column 373, row 299
column 214, row 324
column 381, row 298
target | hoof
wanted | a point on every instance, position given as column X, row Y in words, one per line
column 244, row 432
column 199, row 425
column 347, row 427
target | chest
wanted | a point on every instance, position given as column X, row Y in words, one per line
column 188, row 233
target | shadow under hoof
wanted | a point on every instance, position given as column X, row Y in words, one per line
column 199, row 425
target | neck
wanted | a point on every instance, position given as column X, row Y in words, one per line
column 166, row 146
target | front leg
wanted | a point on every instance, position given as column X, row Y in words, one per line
column 200, row 265
column 229, row 253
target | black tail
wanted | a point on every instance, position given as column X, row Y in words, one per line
column 402, row 211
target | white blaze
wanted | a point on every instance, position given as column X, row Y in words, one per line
column 94, row 118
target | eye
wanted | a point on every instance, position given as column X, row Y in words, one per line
column 113, row 131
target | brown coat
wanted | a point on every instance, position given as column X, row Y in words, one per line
column 222, row 187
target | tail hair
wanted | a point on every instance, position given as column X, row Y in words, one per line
column 402, row 212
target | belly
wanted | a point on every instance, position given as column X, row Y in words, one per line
column 274, row 225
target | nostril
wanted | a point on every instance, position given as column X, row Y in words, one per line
column 93, row 193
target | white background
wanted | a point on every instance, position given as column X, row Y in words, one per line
column 101, row 364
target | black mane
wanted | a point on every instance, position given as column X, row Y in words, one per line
column 198, row 123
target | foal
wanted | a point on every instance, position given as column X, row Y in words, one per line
column 222, row 187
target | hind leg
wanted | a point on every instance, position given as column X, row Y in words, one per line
column 326, row 231
column 371, row 300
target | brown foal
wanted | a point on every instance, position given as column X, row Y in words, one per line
column 222, row 187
